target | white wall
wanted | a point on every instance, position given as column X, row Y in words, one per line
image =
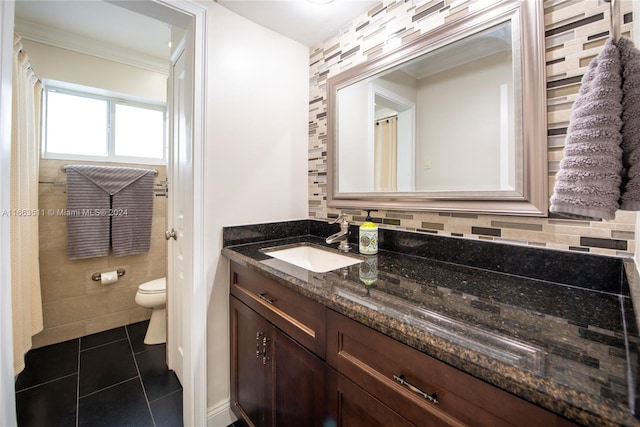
column 256, row 153
column 444, row 137
column 68, row 66
column 355, row 151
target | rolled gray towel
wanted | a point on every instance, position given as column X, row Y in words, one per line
column 630, row 59
column 588, row 182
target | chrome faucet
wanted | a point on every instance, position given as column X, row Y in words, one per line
column 341, row 236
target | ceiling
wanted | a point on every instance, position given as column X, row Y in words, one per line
column 98, row 28
column 300, row 20
column 95, row 23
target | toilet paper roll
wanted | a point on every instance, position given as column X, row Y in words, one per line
column 108, row 277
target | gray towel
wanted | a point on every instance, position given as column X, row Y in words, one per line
column 87, row 235
column 108, row 204
column 630, row 59
column 588, row 182
column 133, row 215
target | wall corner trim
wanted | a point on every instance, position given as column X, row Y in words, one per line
column 220, row 415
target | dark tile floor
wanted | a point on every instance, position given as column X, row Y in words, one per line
column 107, row 379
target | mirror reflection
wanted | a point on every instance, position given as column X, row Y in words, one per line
column 445, row 121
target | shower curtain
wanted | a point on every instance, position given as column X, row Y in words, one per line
column 26, row 301
column 386, row 154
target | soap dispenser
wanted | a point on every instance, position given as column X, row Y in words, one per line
column 368, row 236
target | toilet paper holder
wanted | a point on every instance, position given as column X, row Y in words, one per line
column 96, row 277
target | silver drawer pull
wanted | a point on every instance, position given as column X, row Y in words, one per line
column 433, row 397
column 258, row 339
column 265, row 358
column 263, row 296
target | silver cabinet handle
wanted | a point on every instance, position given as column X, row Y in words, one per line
column 263, row 296
column 433, row 397
column 265, row 358
column 261, row 339
column 171, row 233
column 258, row 336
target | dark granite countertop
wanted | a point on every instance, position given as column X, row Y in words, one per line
column 566, row 347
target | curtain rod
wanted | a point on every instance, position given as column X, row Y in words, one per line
column 386, row 117
column 63, row 168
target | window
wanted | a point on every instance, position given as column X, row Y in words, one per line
column 95, row 126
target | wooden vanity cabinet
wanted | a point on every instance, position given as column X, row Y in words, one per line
column 419, row 388
column 275, row 381
column 279, row 377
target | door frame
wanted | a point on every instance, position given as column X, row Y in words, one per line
column 7, row 386
column 194, row 302
column 195, row 299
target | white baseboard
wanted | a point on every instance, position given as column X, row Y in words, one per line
column 220, row 415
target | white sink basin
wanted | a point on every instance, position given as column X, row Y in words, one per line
column 312, row 258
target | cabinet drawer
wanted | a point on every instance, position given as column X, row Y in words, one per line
column 379, row 363
column 301, row 318
column 351, row 406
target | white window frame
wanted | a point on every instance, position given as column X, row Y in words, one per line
column 112, row 100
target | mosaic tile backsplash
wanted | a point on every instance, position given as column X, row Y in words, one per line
column 574, row 34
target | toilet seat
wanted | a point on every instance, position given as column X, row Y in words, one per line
column 157, row 286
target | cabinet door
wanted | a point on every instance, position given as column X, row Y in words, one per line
column 299, row 384
column 351, row 406
column 274, row 380
column 296, row 315
column 250, row 371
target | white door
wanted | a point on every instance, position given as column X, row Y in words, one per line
column 179, row 243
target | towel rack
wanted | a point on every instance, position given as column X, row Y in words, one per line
column 63, row 168
column 614, row 17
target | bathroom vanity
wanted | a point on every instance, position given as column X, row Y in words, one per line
column 402, row 339
column 277, row 347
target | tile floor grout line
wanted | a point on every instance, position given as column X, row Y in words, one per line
column 108, row 387
column 146, row 350
column 78, row 385
column 144, row 390
column 101, row 345
column 166, row 395
column 45, row 383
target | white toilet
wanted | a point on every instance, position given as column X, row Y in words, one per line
column 153, row 295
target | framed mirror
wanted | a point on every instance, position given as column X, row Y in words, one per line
column 452, row 121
